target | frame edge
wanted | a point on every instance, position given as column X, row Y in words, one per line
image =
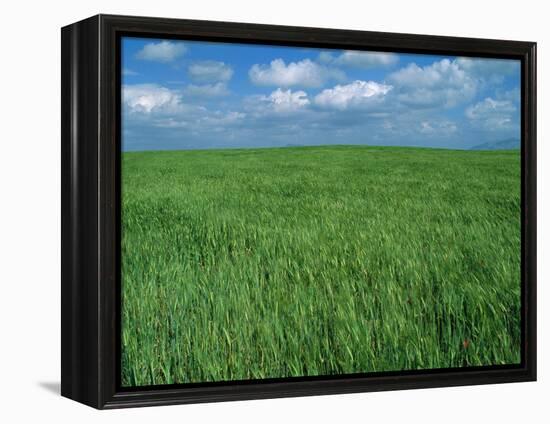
column 79, row 275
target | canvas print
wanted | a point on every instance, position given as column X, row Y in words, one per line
column 292, row 212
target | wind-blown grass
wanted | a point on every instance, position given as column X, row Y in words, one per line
column 267, row 263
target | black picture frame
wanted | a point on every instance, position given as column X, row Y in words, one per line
column 90, row 237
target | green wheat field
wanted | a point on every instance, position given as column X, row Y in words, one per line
column 305, row 261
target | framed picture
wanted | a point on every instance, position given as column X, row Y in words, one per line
column 254, row 211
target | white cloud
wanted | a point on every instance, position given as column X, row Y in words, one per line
column 207, row 90
column 491, row 70
column 286, row 100
column 151, row 105
column 170, row 123
column 360, row 59
column 279, row 101
column 513, row 95
column 129, row 73
column 490, row 107
column 303, row 73
column 426, row 127
column 164, row 51
column 148, row 98
column 326, row 57
column 207, row 121
column 356, row 94
column 209, row 71
column 438, row 128
column 224, row 118
column 443, row 83
column 493, row 114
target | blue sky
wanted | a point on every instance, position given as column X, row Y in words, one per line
column 201, row 95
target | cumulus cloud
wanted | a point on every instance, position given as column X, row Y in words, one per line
column 210, row 71
column 279, row 101
column 286, row 100
column 207, row 90
column 490, row 107
column 438, row 128
column 164, row 51
column 151, row 105
column 490, row 70
column 360, row 59
column 149, row 98
column 443, row 83
column 493, row 114
column 355, row 94
column 303, row 73
column 444, row 103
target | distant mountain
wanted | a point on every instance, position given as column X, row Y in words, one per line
column 508, row 144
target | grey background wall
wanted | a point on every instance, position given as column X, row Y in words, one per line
column 30, row 210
